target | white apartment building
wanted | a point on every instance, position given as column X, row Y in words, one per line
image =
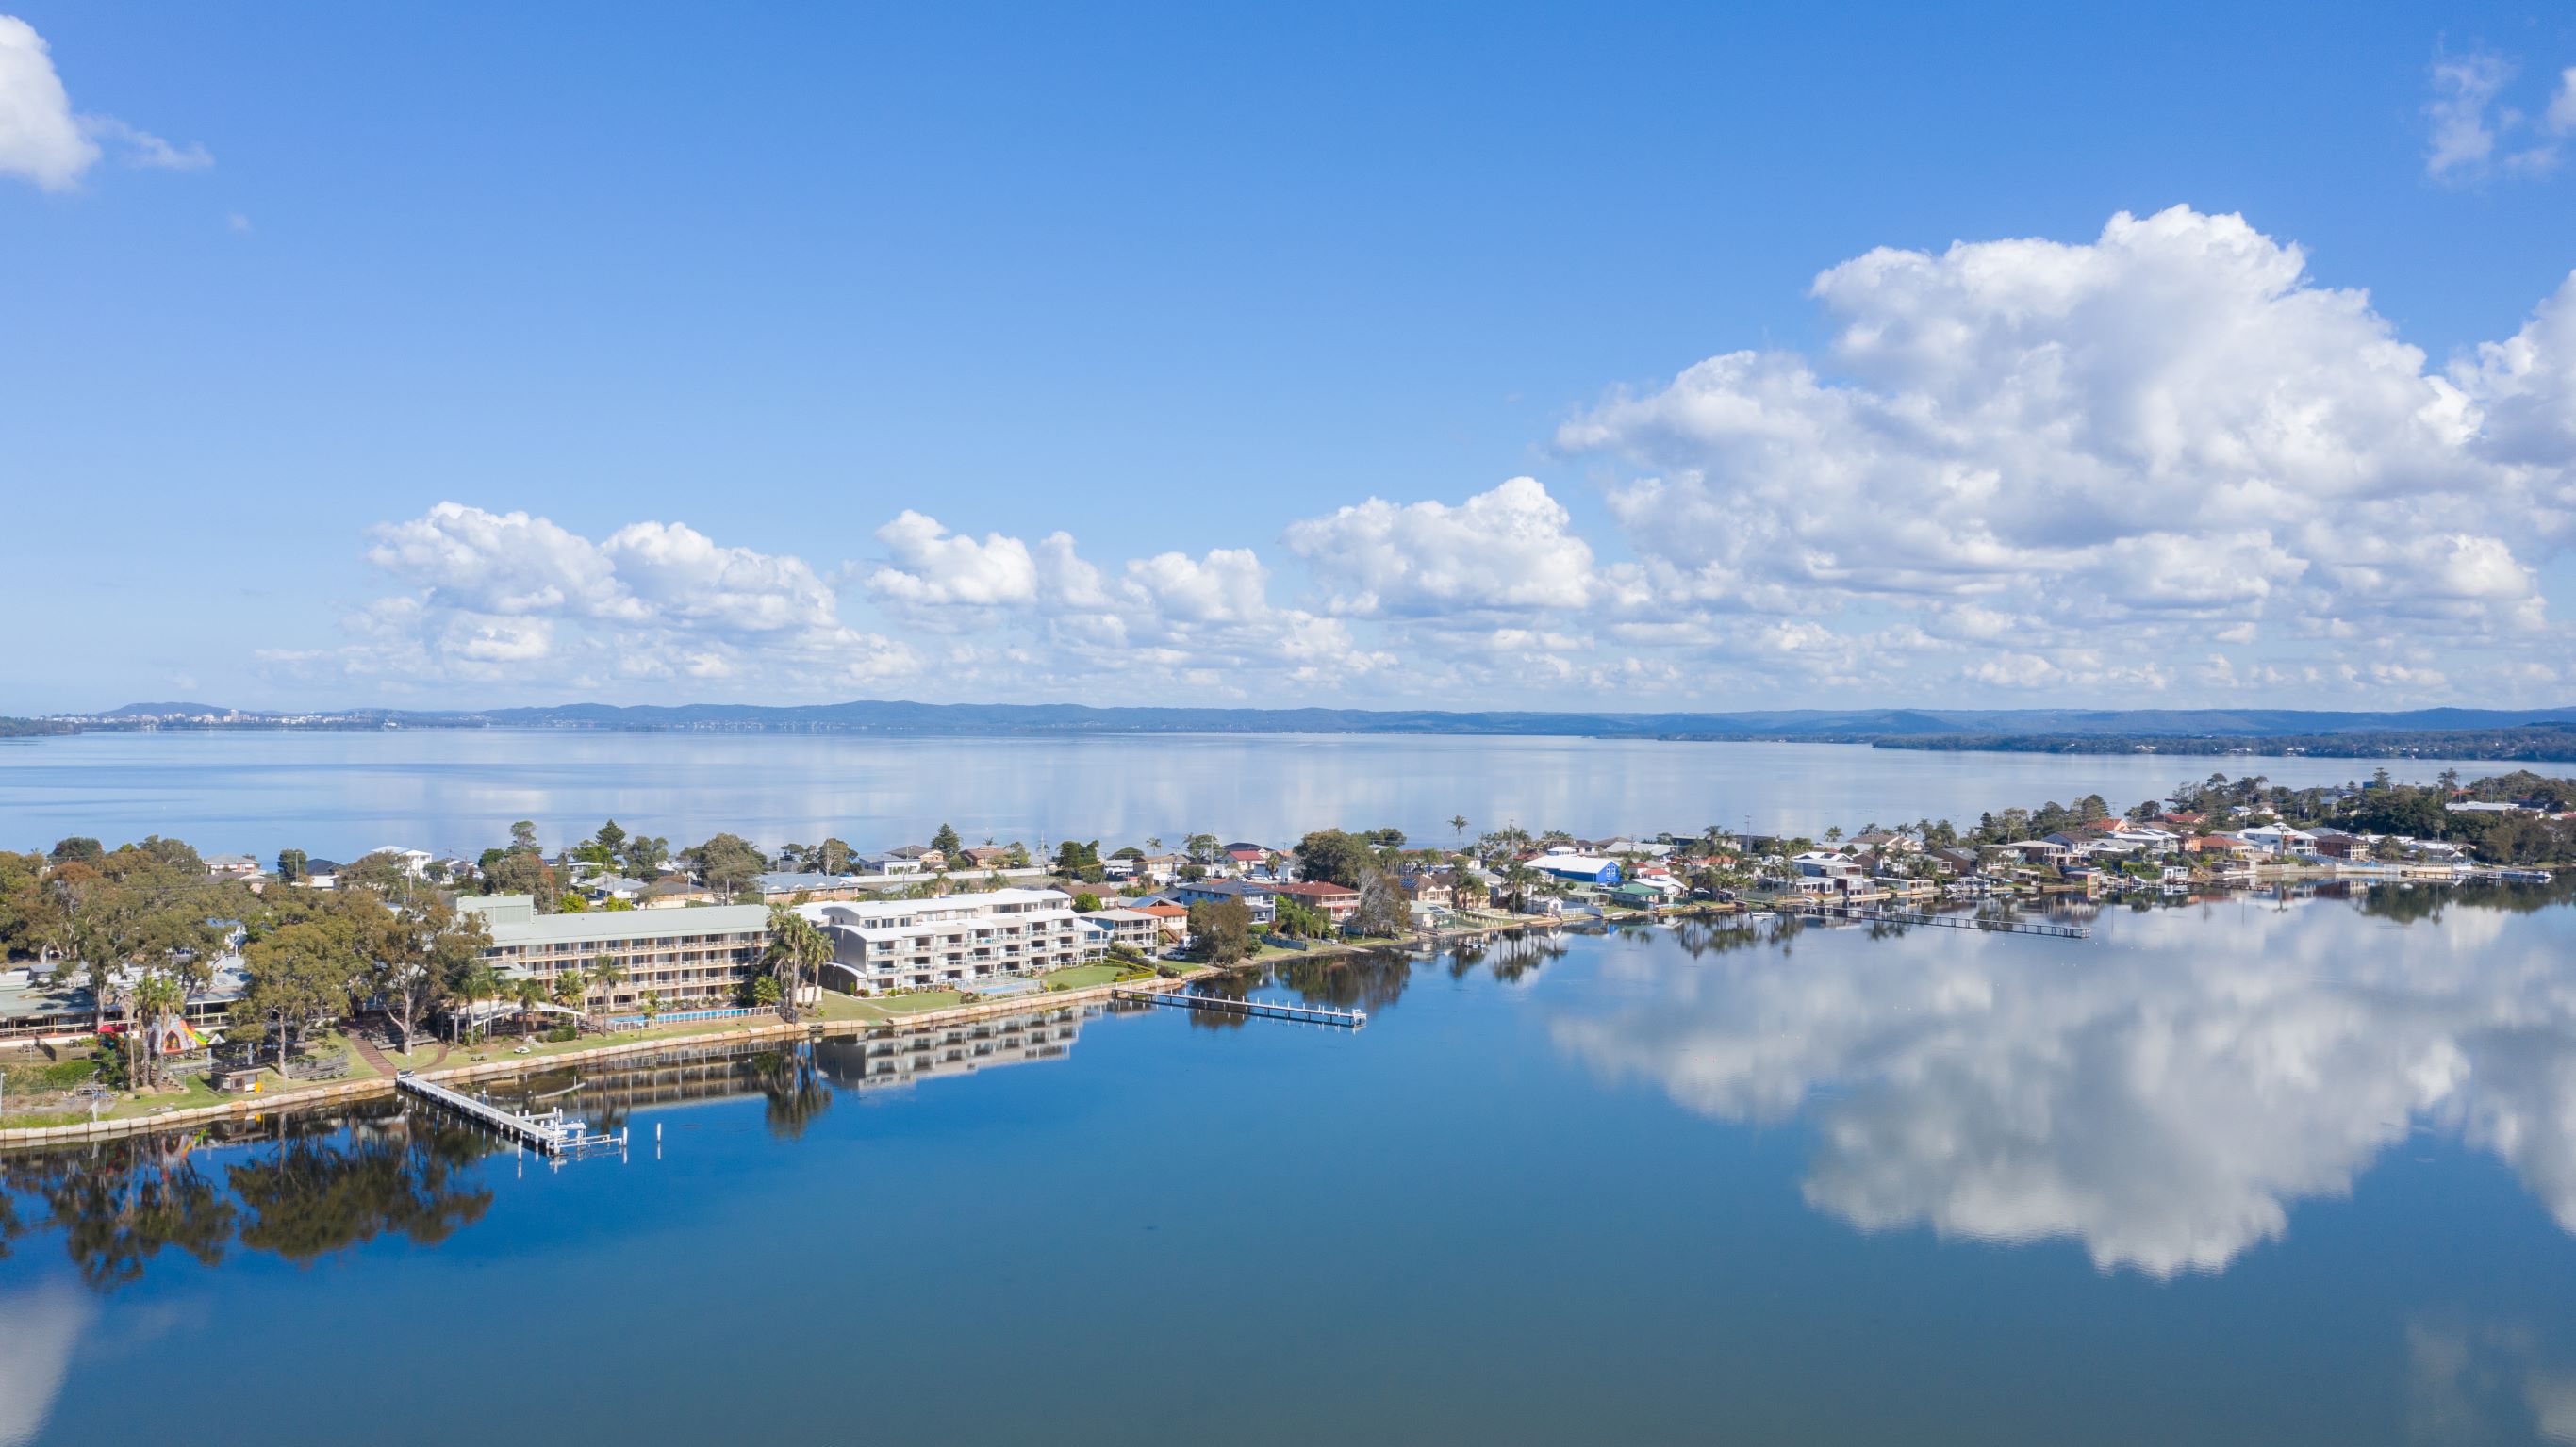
column 957, row 939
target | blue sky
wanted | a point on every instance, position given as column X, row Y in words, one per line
column 495, row 354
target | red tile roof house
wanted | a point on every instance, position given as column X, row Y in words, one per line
column 1338, row 901
column 1175, row 920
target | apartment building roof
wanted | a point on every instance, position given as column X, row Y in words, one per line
column 513, row 920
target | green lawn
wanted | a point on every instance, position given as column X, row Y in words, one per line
column 506, row 1047
column 837, row 1006
column 915, row 1004
column 1083, row 976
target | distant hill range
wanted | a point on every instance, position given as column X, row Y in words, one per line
column 2445, row 732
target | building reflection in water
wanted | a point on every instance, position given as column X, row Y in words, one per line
column 303, row 1186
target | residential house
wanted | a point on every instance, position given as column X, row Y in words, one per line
column 2281, row 840
column 1429, row 888
column 1338, row 902
column 232, row 866
column 1256, row 896
column 1130, row 928
column 612, row 886
column 783, row 886
column 894, row 864
column 1576, row 868
column 674, row 891
column 1823, row 872
column 1173, row 920
column 414, row 862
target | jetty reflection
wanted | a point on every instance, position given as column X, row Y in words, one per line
column 2162, row 1095
column 304, row 1186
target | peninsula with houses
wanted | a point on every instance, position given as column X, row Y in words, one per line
column 150, row 978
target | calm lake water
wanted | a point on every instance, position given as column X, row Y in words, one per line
column 456, row 791
column 2244, row 1172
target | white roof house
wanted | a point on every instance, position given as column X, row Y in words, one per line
column 415, row 862
column 2279, row 839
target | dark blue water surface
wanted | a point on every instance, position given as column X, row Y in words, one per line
column 2243, row 1172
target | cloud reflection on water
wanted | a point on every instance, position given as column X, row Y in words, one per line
column 38, row 1329
column 2162, row 1094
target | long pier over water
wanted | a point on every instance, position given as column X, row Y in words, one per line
column 1254, row 1009
column 549, row 1134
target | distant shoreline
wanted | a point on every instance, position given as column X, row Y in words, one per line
column 2549, row 741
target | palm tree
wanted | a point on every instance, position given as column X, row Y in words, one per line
column 1458, row 823
column 652, row 1007
column 607, row 974
column 156, row 996
column 796, row 949
column 530, row 995
column 479, row 984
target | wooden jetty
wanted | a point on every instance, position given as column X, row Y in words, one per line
column 549, row 1134
column 1251, row 1009
column 1990, row 923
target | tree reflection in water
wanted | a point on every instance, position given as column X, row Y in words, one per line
column 795, row 1090
column 121, row 1203
column 1702, row 936
column 1377, row 980
column 322, row 1190
column 314, row 1186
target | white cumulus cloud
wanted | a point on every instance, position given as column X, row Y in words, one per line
column 39, row 139
column 2170, row 424
column 1511, row 548
column 43, row 141
column 516, row 599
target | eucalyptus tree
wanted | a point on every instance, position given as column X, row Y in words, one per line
column 140, row 921
column 414, row 946
column 301, row 971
